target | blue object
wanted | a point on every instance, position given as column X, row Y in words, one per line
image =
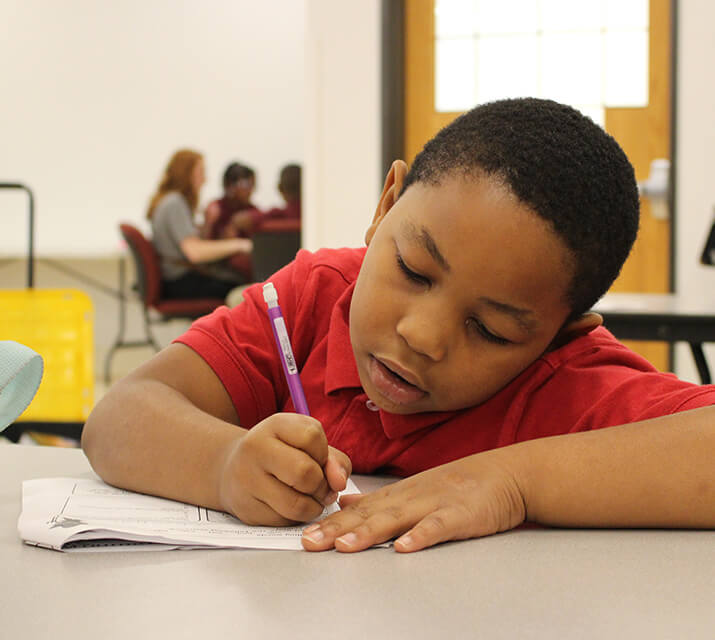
column 20, row 375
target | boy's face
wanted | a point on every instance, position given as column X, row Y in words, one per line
column 462, row 288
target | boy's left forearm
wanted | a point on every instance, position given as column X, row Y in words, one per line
column 656, row 473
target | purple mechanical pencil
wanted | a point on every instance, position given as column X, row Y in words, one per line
column 284, row 349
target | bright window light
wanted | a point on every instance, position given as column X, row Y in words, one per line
column 591, row 54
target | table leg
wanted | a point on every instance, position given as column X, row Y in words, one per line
column 700, row 362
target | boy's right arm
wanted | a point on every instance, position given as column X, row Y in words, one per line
column 170, row 429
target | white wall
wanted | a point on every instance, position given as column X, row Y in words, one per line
column 95, row 96
column 695, row 157
column 342, row 180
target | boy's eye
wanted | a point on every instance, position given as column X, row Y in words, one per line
column 472, row 323
column 485, row 333
column 409, row 274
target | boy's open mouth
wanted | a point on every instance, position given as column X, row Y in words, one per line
column 392, row 385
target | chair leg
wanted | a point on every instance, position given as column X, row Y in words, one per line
column 147, row 328
column 108, row 360
column 119, row 340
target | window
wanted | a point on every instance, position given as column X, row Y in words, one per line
column 591, row 54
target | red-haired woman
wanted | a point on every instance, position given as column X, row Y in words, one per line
column 190, row 265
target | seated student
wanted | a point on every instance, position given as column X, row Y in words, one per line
column 289, row 187
column 220, row 218
column 190, row 265
column 457, row 349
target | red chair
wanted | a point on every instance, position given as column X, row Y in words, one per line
column 155, row 309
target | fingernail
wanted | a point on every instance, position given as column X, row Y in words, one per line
column 314, row 536
column 349, row 539
column 330, row 498
column 311, row 527
column 404, row 541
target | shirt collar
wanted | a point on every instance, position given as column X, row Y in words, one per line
column 340, row 368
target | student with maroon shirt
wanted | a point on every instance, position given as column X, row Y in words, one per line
column 457, row 349
column 234, row 215
column 221, row 217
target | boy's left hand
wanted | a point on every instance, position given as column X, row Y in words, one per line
column 468, row 498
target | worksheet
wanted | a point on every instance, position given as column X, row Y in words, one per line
column 71, row 514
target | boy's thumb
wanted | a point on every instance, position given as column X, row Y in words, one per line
column 338, row 468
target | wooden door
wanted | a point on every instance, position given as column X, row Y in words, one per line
column 644, row 134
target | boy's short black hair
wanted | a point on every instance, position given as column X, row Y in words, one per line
column 235, row 172
column 559, row 163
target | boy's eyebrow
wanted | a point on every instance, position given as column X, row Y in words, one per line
column 423, row 237
column 523, row 316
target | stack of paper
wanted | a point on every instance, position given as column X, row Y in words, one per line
column 69, row 514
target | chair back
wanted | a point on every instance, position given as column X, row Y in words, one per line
column 274, row 246
column 146, row 262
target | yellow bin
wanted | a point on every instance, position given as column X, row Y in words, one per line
column 59, row 325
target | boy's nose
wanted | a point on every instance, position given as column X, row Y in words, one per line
column 425, row 333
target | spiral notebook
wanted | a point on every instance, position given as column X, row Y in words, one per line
column 72, row 514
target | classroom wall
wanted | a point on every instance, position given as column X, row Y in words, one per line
column 695, row 160
column 97, row 95
column 342, row 180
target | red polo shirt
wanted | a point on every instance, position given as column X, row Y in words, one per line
column 592, row 382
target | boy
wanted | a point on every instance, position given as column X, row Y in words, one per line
column 456, row 349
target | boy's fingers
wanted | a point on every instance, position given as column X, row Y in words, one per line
column 337, row 469
column 439, row 526
column 379, row 528
column 288, row 503
column 304, row 433
column 358, row 526
column 350, row 498
column 256, row 512
column 355, row 534
column 294, row 468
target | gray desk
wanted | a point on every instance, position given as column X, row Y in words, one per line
column 528, row 583
column 663, row 317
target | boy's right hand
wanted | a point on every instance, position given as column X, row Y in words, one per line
column 282, row 471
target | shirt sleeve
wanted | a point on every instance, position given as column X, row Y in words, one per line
column 180, row 225
column 605, row 386
column 239, row 346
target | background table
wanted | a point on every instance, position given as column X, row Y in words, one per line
column 666, row 317
column 527, row 583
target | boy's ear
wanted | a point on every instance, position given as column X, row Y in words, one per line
column 576, row 328
column 390, row 192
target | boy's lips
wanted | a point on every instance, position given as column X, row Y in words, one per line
column 394, row 384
